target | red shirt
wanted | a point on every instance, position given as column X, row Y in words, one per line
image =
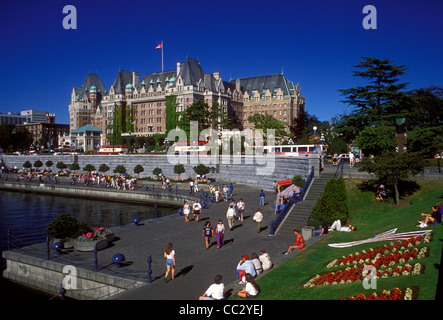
column 300, row 242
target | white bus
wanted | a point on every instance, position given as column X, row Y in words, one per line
column 291, row 149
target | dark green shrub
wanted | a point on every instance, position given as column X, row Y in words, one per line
column 138, row 168
column 332, row 204
column 201, row 169
column 65, row 227
column 120, row 169
column 298, row 181
column 157, row 171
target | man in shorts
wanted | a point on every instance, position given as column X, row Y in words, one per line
column 196, row 209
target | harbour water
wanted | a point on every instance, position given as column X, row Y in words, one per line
column 27, row 215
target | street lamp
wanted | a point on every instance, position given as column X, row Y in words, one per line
column 315, row 140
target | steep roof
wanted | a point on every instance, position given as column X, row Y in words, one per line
column 155, row 78
column 92, row 79
column 122, row 79
column 262, row 83
column 191, row 72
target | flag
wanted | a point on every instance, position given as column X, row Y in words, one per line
column 158, row 47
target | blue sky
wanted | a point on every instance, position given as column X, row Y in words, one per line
column 316, row 43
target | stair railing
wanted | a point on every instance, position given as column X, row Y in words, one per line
column 298, row 197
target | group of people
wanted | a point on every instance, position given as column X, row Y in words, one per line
column 247, row 270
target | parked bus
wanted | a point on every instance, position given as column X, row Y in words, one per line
column 291, row 149
column 113, row 149
column 190, row 148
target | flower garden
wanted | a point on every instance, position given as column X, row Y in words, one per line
column 388, row 260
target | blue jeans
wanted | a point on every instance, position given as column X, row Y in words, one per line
column 262, row 201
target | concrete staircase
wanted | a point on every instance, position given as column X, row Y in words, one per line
column 298, row 216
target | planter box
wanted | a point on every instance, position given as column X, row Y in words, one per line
column 89, row 245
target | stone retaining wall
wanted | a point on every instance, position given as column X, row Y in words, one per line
column 48, row 276
column 248, row 170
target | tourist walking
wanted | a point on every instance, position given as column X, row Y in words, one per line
column 230, row 215
column 169, row 254
column 241, row 208
column 186, row 211
column 196, row 209
column 258, row 218
column 262, row 197
column 220, row 234
column 208, row 232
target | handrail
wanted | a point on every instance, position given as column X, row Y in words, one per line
column 293, row 200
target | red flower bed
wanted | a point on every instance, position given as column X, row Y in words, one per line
column 394, row 294
column 383, row 260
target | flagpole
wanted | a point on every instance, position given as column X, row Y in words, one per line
column 162, row 55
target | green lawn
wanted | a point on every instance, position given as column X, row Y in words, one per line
column 371, row 218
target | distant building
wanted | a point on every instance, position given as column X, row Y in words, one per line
column 13, row 118
column 86, row 138
column 46, row 134
column 38, row 116
column 145, row 100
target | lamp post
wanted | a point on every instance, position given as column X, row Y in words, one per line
column 315, row 136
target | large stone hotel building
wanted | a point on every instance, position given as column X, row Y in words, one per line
column 95, row 105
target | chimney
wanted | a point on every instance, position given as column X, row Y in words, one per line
column 135, row 78
column 217, row 75
column 237, row 85
column 179, row 66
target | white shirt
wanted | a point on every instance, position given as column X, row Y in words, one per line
column 250, row 289
column 258, row 217
column 216, row 291
column 197, row 206
column 265, row 261
column 170, row 255
column 230, row 213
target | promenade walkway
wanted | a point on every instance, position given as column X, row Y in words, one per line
column 196, row 266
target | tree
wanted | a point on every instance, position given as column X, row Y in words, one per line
column 138, row 168
column 27, row 164
column 157, row 171
column 266, row 122
column 179, row 169
column 38, row 164
column 74, row 166
column 332, row 205
column 89, row 168
column 377, row 103
column 198, row 111
column 120, row 169
column 376, row 140
column 61, row 165
column 201, row 169
column 49, row 164
column 392, row 167
column 379, row 100
column 103, row 168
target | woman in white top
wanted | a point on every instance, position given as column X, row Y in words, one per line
column 251, row 290
column 215, row 290
column 186, row 211
column 169, row 254
column 265, row 260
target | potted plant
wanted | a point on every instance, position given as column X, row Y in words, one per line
column 65, row 229
column 89, row 240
